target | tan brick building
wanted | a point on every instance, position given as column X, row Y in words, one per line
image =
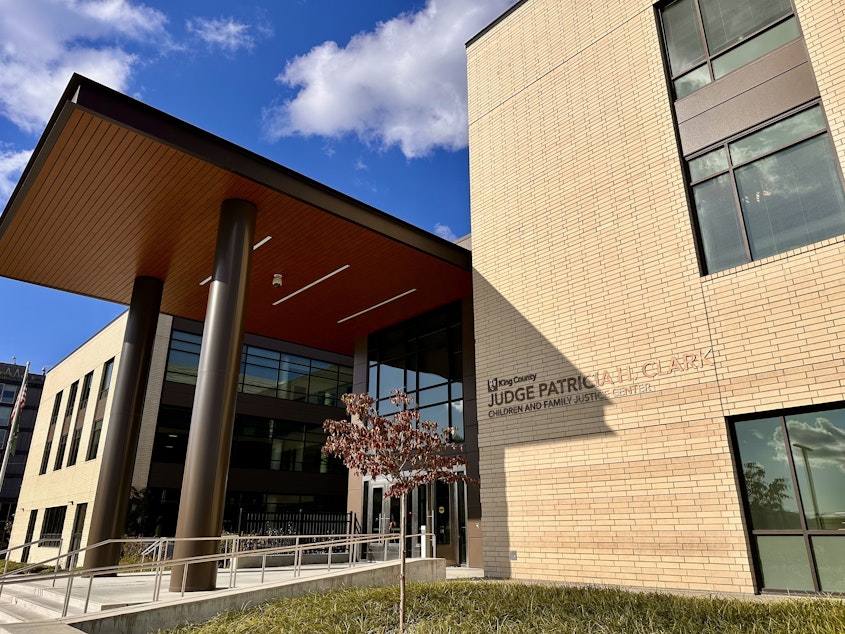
column 658, row 220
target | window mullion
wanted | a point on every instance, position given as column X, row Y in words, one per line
column 703, row 36
column 738, row 206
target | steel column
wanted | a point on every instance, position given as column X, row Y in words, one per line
column 212, row 420
column 108, row 516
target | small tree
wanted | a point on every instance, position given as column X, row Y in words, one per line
column 406, row 451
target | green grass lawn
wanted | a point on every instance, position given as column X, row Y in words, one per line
column 488, row 607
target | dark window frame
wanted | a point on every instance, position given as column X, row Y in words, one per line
column 75, row 441
column 804, row 531
column 60, row 452
column 105, row 379
column 731, row 169
column 52, row 526
column 71, row 399
column 94, row 440
column 45, row 457
column 710, row 56
column 86, row 390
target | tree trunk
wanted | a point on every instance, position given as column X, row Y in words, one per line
column 403, row 520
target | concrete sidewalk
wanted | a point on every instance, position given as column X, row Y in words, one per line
column 122, row 604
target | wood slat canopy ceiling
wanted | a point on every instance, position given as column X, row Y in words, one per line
column 116, row 190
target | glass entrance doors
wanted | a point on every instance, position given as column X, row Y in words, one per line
column 440, row 507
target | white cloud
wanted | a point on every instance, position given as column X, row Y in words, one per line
column 11, row 166
column 42, row 42
column 225, row 34
column 402, row 84
column 445, row 232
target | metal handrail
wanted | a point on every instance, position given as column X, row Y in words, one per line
column 231, row 552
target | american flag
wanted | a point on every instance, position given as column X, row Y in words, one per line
column 19, row 404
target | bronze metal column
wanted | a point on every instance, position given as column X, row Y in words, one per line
column 213, row 416
column 108, row 517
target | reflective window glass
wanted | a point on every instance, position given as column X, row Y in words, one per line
column 727, row 22
column 769, row 491
column 391, row 378
column 718, row 224
column 782, row 190
column 436, row 413
column 792, row 198
column 756, row 47
column 818, row 449
column 682, row 32
column 725, row 36
column 433, row 395
column 830, row 560
column 777, row 135
column 457, row 421
column 784, row 563
column 692, row 81
column 708, row 164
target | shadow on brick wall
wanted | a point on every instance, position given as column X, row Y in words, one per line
column 532, row 400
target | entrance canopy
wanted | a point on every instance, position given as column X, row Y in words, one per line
column 116, row 190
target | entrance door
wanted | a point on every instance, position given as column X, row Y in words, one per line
column 439, row 507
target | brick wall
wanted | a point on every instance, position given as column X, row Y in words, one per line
column 585, row 265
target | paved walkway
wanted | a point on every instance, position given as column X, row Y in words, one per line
column 37, row 599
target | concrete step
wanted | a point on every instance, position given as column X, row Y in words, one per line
column 45, row 603
column 15, row 613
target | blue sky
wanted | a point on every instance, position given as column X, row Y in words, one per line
column 368, row 97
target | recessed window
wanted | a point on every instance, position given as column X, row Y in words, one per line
column 707, row 39
column 94, row 442
column 105, row 381
column 791, row 469
column 767, row 192
column 52, row 526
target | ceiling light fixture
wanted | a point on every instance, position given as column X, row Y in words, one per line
column 314, row 283
column 262, row 242
column 379, row 305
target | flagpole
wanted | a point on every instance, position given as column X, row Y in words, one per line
column 13, row 425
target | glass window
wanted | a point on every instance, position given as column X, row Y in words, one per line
column 707, row 39
column 817, row 441
column 719, row 224
column 683, row 36
column 727, row 22
column 74, row 447
column 830, row 559
column 45, row 458
column 779, row 189
column 429, row 370
column 769, row 491
column 791, row 471
column 791, row 198
column 52, row 527
column 86, row 390
column 183, row 359
column 105, row 381
column 7, row 393
column 71, row 399
column 783, row 563
column 60, row 452
column 266, row 372
column 94, row 442
column 756, row 47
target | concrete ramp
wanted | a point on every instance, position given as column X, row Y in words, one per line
column 169, row 612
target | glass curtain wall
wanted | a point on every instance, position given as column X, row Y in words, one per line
column 423, row 358
column 266, row 372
